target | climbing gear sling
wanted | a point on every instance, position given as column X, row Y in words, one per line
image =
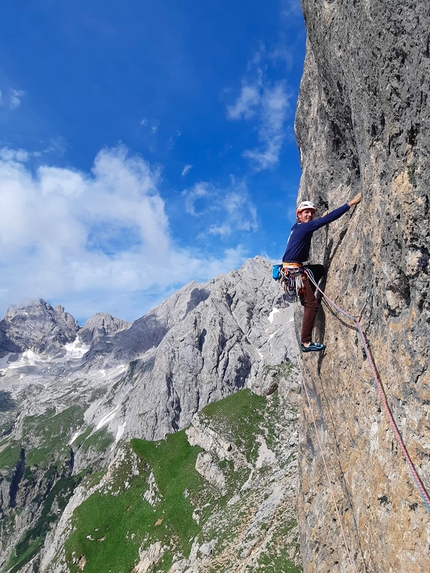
column 291, row 277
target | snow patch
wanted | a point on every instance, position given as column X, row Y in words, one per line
column 272, row 314
column 75, row 349
column 106, row 419
column 279, row 317
column 75, row 435
column 27, row 358
column 265, row 456
column 4, row 362
column 120, row 432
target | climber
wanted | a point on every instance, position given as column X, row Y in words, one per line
column 297, row 252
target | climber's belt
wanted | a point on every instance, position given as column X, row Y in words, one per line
column 292, row 267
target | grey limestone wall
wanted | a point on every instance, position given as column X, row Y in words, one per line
column 362, row 125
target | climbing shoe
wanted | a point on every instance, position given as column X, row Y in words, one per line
column 313, row 347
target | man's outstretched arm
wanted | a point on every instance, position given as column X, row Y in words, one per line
column 351, row 203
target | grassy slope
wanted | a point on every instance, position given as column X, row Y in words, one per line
column 117, row 520
column 46, row 454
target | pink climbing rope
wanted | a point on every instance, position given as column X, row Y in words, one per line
column 381, row 391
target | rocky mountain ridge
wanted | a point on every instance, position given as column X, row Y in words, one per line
column 36, row 327
column 73, row 398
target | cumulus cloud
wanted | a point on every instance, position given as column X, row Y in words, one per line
column 8, row 154
column 268, row 104
column 95, row 241
column 229, row 209
column 53, row 213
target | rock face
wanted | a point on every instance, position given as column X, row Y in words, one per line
column 200, row 345
column 101, row 325
column 362, row 124
column 37, row 327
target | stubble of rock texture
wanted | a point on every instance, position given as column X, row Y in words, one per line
column 362, row 125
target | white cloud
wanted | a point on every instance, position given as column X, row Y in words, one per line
column 228, row 209
column 186, row 169
column 200, row 190
column 8, row 154
column 267, row 104
column 282, row 54
column 55, row 210
column 246, row 103
column 15, row 98
column 57, row 146
column 291, row 9
column 22, row 155
column 153, row 128
column 275, row 106
column 239, row 214
column 97, row 241
column 194, row 264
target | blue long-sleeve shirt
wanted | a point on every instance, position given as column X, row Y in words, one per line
column 299, row 241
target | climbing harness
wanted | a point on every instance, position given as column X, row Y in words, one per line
column 291, row 277
column 383, row 397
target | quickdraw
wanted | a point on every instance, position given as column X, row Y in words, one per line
column 292, row 279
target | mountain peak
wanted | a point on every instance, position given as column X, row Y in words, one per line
column 36, row 326
column 101, row 325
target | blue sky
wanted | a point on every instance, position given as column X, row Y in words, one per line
column 143, row 145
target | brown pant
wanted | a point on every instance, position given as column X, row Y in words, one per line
column 310, row 303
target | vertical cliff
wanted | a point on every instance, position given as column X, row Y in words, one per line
column 363, row 125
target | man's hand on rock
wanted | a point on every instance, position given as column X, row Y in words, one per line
column 355, row 200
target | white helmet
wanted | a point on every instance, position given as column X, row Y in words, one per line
column 305, row 205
